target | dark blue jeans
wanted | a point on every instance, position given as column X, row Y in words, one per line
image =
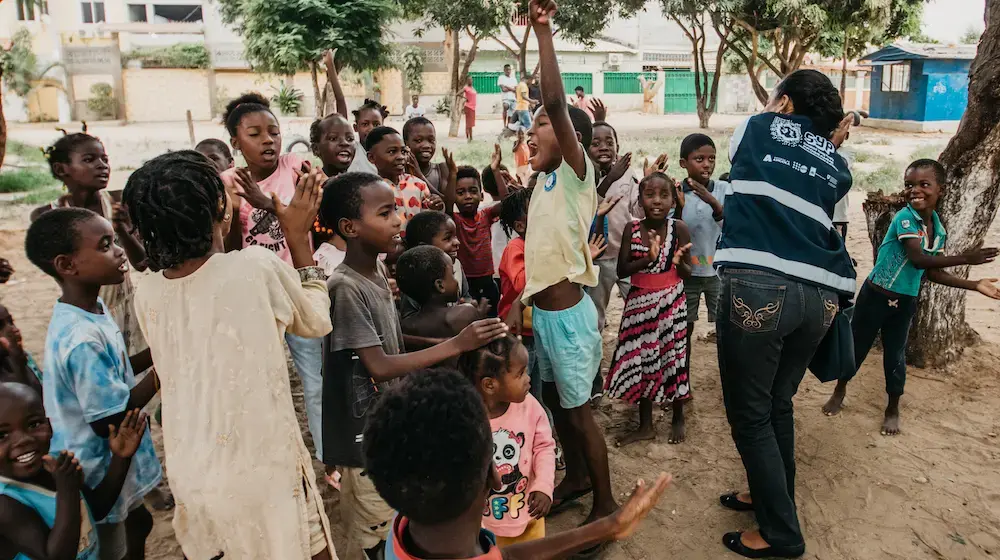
column 769, row 327
column 892, row 314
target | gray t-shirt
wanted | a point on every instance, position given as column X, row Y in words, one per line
column 705, row 230
column 364, row 315
column 360, row 161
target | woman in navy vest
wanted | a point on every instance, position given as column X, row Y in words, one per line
column 783, row 268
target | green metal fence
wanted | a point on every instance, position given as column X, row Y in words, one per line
column 485, row 82
column 625, row 82
column 573, row 79
column 679, row 93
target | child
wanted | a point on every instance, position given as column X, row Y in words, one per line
column 366, row 349
column 217, row 151
column 388, row 154
column 19, row 366
column 474, row 223
column 89, row 382
column 366, row 117
column 215, row 321
column 421, row 140
column 440, row 476
column 702, row 213
column 46, row 511
column 435, row 228
column 617, row 183
column 514, row 220
column 521, row 156
column 332, row 141
column 650, row 361
column 558, row 264
column 469, row 94
column 498, row 236
column 414, row 110
column 425, row 274
column 524, row 451
column 255, row 191
column 888, row 299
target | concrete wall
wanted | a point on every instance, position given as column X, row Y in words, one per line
column 155, row 95
column 947, row 89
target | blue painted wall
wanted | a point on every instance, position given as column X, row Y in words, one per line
column 939, row 91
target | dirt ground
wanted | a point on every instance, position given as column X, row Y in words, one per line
column 930, row 493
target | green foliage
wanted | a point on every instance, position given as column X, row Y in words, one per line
column 25, row 152
column 287, row 99
column 102, row 100
column 413, row 70
column 24, row 180
column 867, row 24
column 41, row 196
column 971, row 35
column 443, row 106
column 284, row 37
column 183, row 55
column 20, row 65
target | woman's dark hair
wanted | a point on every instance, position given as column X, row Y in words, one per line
column 174, row 202
column 63, row 148
column 814, row 96
column 491, row 360
column 368, row 105
column 242, row 106
column 513, row 208
column 940, row 174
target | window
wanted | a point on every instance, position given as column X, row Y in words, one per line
column 93, row 12
column 31, row 10
column 177, row 13
column 137, row 13
column 896, row 77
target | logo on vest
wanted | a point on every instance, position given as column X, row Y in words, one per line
column 550, row 183
column 786, row 132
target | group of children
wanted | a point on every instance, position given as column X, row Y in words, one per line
column 372, row 268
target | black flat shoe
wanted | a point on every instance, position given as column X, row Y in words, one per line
column 733, row 542
column 730, row 501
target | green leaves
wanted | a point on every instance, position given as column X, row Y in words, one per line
column 19, row 63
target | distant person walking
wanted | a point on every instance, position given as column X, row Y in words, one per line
column 508, row 85
column 522, row 108
column 470, row 94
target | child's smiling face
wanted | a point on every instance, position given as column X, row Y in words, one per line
column 25, row 432
column 446, row 239
column 422, row 141
column 88, row 167
column 389, row 157
column 921, row 188
column 336, row 143
column 603, row 148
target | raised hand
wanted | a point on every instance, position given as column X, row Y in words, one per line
column 497, row 157
column 329, row 58
column 124, row 441
column 608, row 204
column 412, row 167
column 643, row 498
column 541, row 11
column 249, row 191
column 660, row 164
column 988, row 287
column 449, row 160
column 65, row 468
column 597, row 245
column 843, row 131
column 480, row 333
column 619, row 168
column 513, row 183
column 599, row 109
column 680, row 255
column 655, row 244
column 298, row 217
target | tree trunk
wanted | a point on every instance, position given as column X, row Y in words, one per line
column 843, row 68
column 968, row 204
column 3, row 127
column 457, row 109
column 703, row 116
column 318, row 100
column 879, row 210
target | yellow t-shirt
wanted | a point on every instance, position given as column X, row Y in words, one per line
column 522, row 97
column 560, row 214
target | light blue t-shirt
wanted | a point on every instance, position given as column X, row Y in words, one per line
column 88, row 377
column 705, row 229
column 893, row 271
column 43, row 501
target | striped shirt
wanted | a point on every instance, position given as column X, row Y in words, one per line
column 786, row 181
column 476, row 249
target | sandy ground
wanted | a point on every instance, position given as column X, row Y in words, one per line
column 930, row 493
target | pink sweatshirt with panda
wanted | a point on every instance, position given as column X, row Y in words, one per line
column 525, row 455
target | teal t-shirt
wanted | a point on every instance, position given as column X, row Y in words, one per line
column 893, row 271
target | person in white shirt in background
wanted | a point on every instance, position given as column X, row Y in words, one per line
column 414, row 109
column 508, row 85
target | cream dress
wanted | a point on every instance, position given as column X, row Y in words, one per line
column 239, row 470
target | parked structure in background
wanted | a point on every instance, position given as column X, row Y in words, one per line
column 919, row 87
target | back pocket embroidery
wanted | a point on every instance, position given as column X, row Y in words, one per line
column 756, row 308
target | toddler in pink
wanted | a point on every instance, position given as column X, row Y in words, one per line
column 524, row 451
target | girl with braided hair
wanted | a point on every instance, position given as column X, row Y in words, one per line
column 239, row 468
column 255, row 191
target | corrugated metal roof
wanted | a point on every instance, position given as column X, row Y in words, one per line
column 911, row 51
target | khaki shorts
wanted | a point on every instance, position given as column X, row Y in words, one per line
column 367, row 518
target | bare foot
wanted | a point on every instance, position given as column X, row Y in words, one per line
column 890, row 426
column 676, row 429
column 833, row 406
column 638, row 435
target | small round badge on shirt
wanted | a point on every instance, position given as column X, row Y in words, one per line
column 550, row 183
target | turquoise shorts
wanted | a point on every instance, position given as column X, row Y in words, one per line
column 568, row 350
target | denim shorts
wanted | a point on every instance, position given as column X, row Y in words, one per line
column 568, row 350
column 694, row 287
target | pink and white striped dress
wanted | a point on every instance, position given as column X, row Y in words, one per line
column 651, row 358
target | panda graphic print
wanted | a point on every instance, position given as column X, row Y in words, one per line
column 510, row 500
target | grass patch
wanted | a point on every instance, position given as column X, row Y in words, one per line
column 864, row 156
column 932, row 151
column 25, row 152
column 39, row 197
column 24, row 180
column 886, row 178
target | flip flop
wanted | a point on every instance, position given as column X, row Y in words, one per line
column 568, row 500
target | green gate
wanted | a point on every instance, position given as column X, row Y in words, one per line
column 485, row 82
column 625, row 82
column 678, row 92
column 573, row 79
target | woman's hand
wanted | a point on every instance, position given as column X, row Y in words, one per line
column 249, row 191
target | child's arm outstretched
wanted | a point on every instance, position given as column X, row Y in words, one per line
column 450, row 186
column 384, row 367
column 334, row 78
column 124, row 442
column 986, row 286
column 553, row 92
column 916, row 255
column 23, row 528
